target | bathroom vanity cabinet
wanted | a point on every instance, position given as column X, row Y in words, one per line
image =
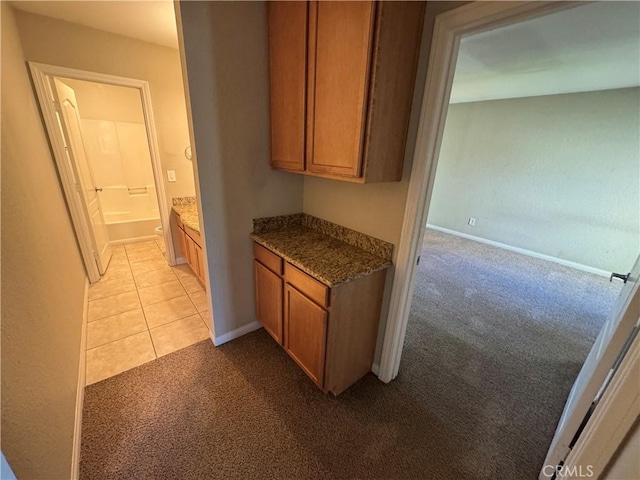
column 191, row 247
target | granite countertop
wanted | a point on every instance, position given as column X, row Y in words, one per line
column 330, row 253
column 187, row 208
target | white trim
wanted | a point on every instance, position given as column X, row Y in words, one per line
column 81, row 227
column 560, row 261
column 40, row 73
column 82, row 369
column 126, row 241
column 449, row 28
column 612, row 418
column 238, row 332
column 375, row 368
column 181, row 261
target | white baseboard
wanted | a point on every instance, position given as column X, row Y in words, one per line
column 566, row 263
column 180, row 261
column 135, row 240
column 82, row 368
column 238, row 332
column 375, row 368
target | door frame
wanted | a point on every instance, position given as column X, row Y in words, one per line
column 40, row 74
column 449, row 28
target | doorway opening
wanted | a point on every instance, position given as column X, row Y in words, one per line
column 143, row 302
column 513, row 298
column 106, row 157
column 115, row 140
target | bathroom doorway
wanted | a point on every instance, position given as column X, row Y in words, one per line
column 115, row 141
column 111, row 172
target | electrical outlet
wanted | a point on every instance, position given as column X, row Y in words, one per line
column 472, row 221
column 171, row 175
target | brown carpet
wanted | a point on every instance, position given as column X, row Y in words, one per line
column 478, row 397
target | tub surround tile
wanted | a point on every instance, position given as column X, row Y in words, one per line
column 116, row 357
column 179, row 334
column 159, row 293
column 328, row 252
column 169, row 311
column 109, row 306
column 100, row 332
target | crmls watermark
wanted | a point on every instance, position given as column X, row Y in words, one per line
column 566, row 471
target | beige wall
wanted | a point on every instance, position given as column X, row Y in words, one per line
column 556, row 175
column 56, row 42
column 225, row 52
column 43, row 283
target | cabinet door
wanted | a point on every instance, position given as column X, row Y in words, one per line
column 184, row 245
column 287, row 72
column 343, row 33
column 268, row 287
column 305, row 333
column 193, row 255
column 200, row 264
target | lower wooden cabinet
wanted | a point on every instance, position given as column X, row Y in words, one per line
column 329, row 332
column 268, row 300
column 190, row 246
column 305, row 333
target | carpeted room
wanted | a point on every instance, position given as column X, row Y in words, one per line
column 535, row 202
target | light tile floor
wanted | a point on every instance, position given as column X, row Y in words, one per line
column 142, row 309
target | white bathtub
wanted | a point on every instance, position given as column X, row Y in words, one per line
column 130, row 216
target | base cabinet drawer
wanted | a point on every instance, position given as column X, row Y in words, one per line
column 268, row 288
column 305, row 333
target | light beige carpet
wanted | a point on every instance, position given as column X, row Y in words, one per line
column 493, row 345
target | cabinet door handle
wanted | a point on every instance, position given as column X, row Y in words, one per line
column 622, row 277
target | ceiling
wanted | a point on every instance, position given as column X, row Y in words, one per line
column 152, row 21
column 594, row 46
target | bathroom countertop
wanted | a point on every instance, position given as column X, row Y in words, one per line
column 330, row 253
column 187, row 209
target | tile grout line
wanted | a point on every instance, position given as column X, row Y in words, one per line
column 148, row 329
column 117, row 340
column 143, row 314
column 141, row 306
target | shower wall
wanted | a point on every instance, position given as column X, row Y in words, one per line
column 116, row 143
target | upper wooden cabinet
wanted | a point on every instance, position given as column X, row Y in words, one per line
column 342, row 77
